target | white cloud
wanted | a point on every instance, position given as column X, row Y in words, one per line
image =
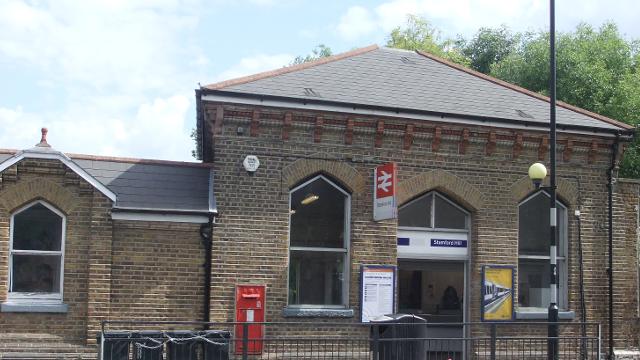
column 157, row 130
column 119, row 75
column 467, row 16
column 255, row 64
column 121, row 45
column 356, row 22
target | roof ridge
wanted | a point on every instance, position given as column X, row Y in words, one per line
column 137, row 160
column 121, row 159
column 525, row 91
column 288, row 69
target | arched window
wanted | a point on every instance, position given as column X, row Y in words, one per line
column 533, row 251
column 433, row 211
column 36, row 253
column 318, row 244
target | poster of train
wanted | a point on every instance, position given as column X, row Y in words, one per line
column 497, row 293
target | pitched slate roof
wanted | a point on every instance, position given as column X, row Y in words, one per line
column 408, row 80
column 156, row 185
column 152, row 185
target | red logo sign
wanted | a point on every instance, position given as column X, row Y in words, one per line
column 385, row 180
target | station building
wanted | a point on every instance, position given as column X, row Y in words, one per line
column 286, row 189
column 303, row 222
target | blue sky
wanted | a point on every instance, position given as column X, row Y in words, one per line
column 117, row 77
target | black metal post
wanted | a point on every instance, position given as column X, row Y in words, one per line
column 494, row 339
column 552, row 343
column 376, row 342
column 245, row 341
column 610, row 182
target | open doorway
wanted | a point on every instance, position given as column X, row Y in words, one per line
column 433, row 290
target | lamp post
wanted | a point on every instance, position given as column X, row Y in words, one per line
column 537, row 173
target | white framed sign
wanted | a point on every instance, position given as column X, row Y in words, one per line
column 377, row 289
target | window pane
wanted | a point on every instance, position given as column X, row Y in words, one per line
column 36, row 273
column 417, row 213
column 533, row 226
column 318, row 216
column 449, row 216
column 316, row 278
column 533, row 283
column 37, row 228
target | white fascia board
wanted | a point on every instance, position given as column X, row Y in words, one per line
column 11, row 161
column 387, row 113
column 144, row 216
column 55, row 155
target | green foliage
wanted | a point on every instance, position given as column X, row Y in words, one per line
column 418, row 34
column 596, row 70
column 194, row 137
column 488, row 47
column 319, row 52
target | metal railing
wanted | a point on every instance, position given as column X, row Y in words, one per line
column 160, row 340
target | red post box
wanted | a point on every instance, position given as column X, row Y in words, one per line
column 250, row 306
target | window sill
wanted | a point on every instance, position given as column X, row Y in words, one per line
column 317, row 312
column 32, row 307
column 542, row 314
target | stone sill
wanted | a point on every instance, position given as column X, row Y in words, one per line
column 14, row 307
column 317, row 312
column 543, row 315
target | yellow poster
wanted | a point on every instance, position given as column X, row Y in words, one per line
column 497, row 293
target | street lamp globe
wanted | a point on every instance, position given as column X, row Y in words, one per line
column 537, row 173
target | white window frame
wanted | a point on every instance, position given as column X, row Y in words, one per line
column 345, row 249
column 36, row 297
column 562, row 242
column 433, row 214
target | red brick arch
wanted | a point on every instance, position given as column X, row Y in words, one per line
column 565, row 189
column 461, row 191
column 15, row 196
column 301, row 169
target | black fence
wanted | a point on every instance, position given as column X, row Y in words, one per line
column 132, row 340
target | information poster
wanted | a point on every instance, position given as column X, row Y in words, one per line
column 497, row 293
column 377, row 286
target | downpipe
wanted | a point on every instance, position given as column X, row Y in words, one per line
column 610, row 183
column 206, row 235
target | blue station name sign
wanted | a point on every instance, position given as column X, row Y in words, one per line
column 448, row 243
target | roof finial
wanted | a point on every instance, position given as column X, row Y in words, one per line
column 43, row 139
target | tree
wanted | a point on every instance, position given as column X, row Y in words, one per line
column 319, row 52
column 596, row 70
column 418, row 34
column 488, row 47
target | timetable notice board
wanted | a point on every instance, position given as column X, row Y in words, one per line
column 377, row 288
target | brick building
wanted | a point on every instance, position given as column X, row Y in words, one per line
column 462, row 141
column 85, row 239
column 125, row 235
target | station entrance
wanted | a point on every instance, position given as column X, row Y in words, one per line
column 433, row 243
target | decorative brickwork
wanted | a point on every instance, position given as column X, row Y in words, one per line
column 251, row 238
column 304, row 168
column 37, row 188
column 460, row 190
column 565, row 188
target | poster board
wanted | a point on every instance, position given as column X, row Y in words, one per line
column 497, row 293
column 377, row 291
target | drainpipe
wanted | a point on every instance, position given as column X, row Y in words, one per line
column 206, row 233
column 611, row 181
